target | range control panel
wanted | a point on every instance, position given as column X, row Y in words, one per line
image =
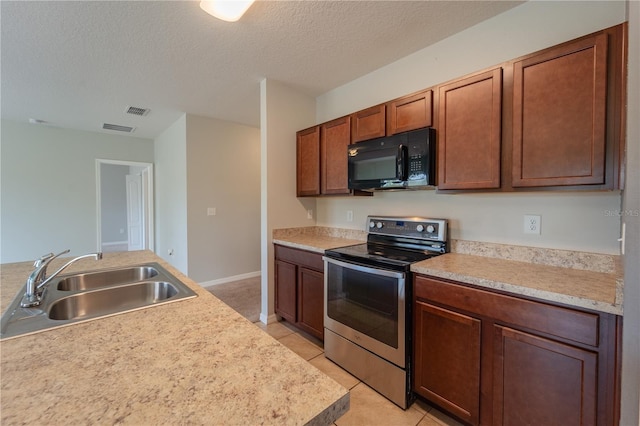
column 412, row 227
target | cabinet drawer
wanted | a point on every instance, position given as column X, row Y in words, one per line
column 300, row 257
column 565, row 323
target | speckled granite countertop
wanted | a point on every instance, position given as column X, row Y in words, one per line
column 195, row 361
column 598, row 291
column 578, row 279
column 317, row 238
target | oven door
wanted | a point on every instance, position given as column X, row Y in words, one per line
column 366, row 306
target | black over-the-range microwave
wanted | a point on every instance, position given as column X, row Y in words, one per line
column 402, row 161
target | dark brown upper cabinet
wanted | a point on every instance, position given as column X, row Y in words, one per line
column 308, row 162
column 469, row 137
column 554, row 119
column 559, row 115
column 368, row 124
column 335, row 137
column 410, row 112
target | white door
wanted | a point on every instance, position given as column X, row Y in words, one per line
column 135, row 221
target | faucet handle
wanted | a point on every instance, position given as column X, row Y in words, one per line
column 59, row 254
column 38, row 263
column 47, row 258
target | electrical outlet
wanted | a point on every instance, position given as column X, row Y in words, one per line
column 211, row 211
column 349, row 215
column 309, row 214
column 532, row 224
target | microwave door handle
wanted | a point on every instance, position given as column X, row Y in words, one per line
column 401, row 163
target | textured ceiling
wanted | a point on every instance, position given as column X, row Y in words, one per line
column 79, row 64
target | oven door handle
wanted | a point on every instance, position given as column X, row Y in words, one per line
column 365, row 269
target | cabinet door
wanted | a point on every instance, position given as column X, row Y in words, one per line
column 409, row 113
column 447, row 360
column 335, row 136
column 308, row 162
column 368, row 124
column 311, row 302
column 541, row 382
column 559, row 115
column 469, row 132
column 286, row 290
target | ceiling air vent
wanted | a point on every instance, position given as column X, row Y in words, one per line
column 137, row 111
column 118, row 128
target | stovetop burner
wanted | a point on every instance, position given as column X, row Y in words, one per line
column 395, row 243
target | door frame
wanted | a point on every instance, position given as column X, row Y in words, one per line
column 147, row 193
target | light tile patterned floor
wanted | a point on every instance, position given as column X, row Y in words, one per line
column 367, row 406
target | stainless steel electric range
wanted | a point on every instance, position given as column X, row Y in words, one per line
column 367, row 294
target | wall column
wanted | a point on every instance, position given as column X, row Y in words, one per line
column 283, row 111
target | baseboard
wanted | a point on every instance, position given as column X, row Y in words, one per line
column 230, row 279
column 270, row 319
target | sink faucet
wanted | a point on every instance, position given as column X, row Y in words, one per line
column 38, row 279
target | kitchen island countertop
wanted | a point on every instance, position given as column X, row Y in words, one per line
column 194, row 361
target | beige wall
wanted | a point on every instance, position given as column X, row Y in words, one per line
column 48, row 187
column 570, row 220
column 223, row 172
column 200, row 163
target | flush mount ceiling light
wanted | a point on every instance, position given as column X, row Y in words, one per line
column 227, row 10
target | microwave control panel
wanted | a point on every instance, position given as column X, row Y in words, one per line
column 417, row 167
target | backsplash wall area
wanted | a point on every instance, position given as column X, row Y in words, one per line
column 581, row 221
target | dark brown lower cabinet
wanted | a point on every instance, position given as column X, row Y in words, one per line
column 490, row 358
column 310, row 305
column 542, row 382
column 299, row 289
column 286, row 290
column 447, row 364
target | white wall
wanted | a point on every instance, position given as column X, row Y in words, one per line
column 570, row 220
column 48, row 186
column 223, row 172
column 283, row 111
column 171, row 194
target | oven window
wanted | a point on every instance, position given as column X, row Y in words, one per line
column 364, row 302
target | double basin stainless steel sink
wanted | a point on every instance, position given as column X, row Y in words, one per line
column 74, row 298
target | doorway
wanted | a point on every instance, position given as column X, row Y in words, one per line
column 124, row 194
